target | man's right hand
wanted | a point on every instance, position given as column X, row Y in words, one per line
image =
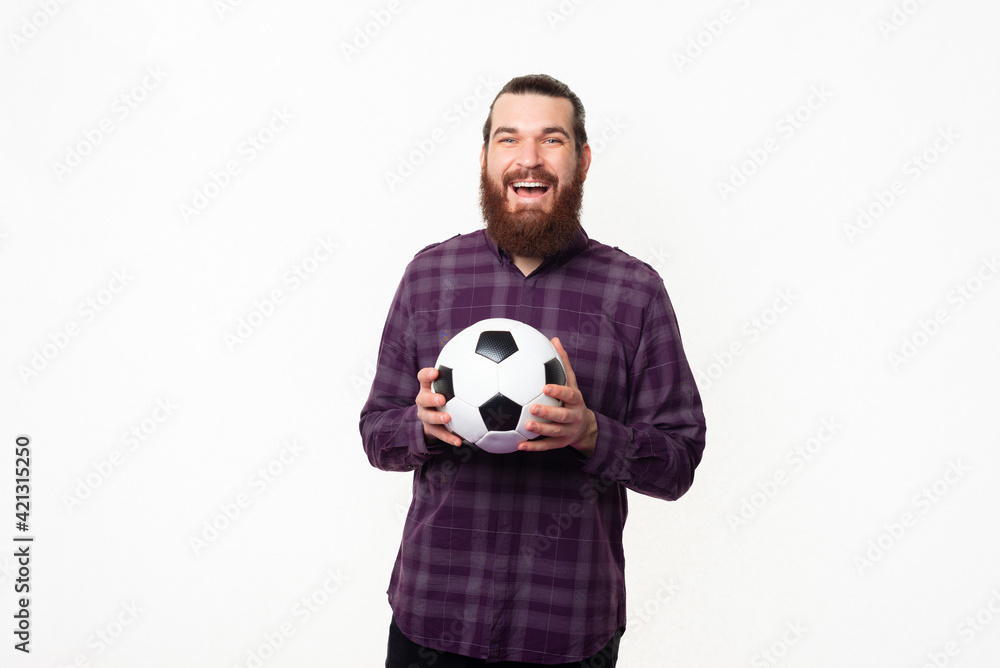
column 427, row 410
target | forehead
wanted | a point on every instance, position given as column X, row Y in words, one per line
column 529, row 113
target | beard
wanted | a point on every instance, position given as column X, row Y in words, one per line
column 531, row 232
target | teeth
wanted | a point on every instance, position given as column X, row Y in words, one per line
column 528, row 184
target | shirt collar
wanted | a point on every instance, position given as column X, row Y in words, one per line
column 576, row 244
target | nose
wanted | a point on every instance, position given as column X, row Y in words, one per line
column 529, row 157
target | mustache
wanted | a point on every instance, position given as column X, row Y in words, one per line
column 531, row 233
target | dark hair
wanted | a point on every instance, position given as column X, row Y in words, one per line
column 542, row 84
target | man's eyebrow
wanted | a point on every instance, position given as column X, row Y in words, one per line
column 555, row 129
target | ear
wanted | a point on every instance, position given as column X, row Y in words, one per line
column 482, row 157
column 584, row 163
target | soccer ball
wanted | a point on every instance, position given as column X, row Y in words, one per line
column 490, row 374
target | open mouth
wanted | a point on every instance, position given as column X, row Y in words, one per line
column 530, row 189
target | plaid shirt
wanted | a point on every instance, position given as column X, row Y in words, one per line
column 518, row 557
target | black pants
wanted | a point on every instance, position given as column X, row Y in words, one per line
column 404, row 653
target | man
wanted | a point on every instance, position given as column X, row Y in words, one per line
column 518, row 557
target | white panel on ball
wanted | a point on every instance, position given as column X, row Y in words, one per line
column 532, row 342
column 500, row 442
column 475, row 377
column 465, row 420
column 457, row 347
column 520, row 376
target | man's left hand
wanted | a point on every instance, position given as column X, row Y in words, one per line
column 571, row 424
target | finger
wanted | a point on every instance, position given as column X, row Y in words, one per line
column 540, row 444
column 442, row 434
column 426, row 376
column 433, row 421
column 433, row 416
column 428, row 399
column 550, row 413
column 570, row 376
column 564, row 393
column 547, row 429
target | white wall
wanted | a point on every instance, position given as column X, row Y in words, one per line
column 873, row 549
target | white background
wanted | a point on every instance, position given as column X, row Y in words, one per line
column 118, row 301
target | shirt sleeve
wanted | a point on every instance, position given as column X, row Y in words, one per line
column 391, row 432
column 655, row 451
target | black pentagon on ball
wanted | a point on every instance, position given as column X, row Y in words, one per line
column 555, row 374
column 500, row 413
column 496, row 346
column 444, row 384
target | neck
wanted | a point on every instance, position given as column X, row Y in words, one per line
column 527, row 264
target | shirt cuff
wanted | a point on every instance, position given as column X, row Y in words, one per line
column 415, row 436
column 610, row 437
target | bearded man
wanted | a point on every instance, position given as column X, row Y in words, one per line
column 517, row 559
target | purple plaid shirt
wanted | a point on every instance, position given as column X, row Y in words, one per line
column 518, row 557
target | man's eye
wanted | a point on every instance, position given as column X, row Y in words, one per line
column 553, row 140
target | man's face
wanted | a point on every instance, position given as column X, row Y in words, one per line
column 532, row 176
